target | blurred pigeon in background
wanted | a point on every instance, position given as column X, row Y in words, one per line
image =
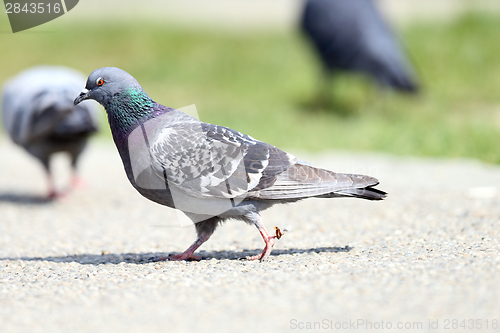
column 39, row 115
column 351, row 35
column 211, row 173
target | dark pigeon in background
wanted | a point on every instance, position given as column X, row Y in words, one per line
column 351, row 35
column 211, row 173
column 39, row 115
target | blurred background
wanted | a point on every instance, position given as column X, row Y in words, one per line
column 83, row 263
column 247, row 65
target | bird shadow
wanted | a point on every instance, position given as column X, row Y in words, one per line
column 24, row 199
column 145, row 258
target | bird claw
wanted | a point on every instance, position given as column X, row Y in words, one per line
column 184, row 256
column 54, row 195
column 255, row 257
column 179, row 257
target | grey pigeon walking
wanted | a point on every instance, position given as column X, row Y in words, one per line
column 351, row 35
column 211, row 173
column 39, row 115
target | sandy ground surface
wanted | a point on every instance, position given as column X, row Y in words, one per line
column 426, row 256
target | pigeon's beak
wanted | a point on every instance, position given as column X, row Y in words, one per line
column 83, row 96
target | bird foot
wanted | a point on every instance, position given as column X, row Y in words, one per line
column 179, row 257
column 78, row 182
column 53, row 195
column 269, row 243
column 266, row 252
column 256, row 257
column 188, row 254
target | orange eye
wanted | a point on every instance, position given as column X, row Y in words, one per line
column 100, row 81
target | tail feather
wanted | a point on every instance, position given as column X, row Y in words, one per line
column 368, row 193
column 305, row 181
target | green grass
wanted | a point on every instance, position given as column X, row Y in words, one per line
column 263, row 84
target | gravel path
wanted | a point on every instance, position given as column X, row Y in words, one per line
column 429, row 252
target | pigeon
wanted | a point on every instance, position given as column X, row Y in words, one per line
column 209, row 172
column 352, row 36
column 39, row 115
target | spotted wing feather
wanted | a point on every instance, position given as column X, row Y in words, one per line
column 210, row 161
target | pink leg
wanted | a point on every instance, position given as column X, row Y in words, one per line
column 269, row 242
column 76, row 180
column 52, row 194
column 188, row 254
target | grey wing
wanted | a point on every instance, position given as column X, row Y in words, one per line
column 210, row 161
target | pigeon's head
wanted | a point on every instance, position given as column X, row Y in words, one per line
column 107, row 83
